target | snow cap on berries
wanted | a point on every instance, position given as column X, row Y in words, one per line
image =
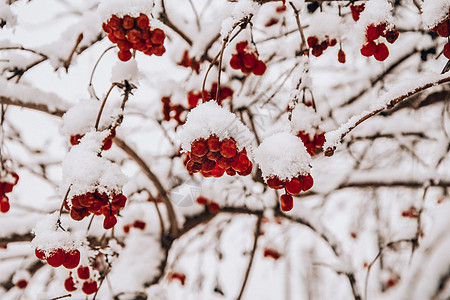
column 120, row 8
column 48, row 236
column 84, row 171
column 125, row 71
column 434, row 12
column 283, row 155
column 376, row 12
column 325, row 24
column 304, row 118
column 212, row 119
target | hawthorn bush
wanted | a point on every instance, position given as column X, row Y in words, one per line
column 225, row 149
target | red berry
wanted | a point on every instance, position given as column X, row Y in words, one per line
column 124, row 55
column 312, row 41
column 76, row 139
column 213, row 143
column 294, row 186
column 107, row 144
column 317, row 50
column 71, row 259
column 39, row 254
column 228, row 148
column 236, row 62
column 178, row 276
column 142, row 21
column 324, row 45
column 114, row 22
column 112, row 38
column 249, row 60
column 213, row 207
column 22, row 283
column 109, row 222
column 159, row 50
column 356, row 11
column 69, row 284
column 248, row 171
column 119, row 34
column 139, row 224
column 369, row 48
column 134, row 35
column 214, row 156
column 199, row 148
column 287, row 202
column 341, row 57
column 217, row 171
column 372, row 32
column 381, row 52
column 126, row 228
column 259, row 68
column 231, row 172
column 391, row 35
column 240, row 47
column 83, row 272
column 89, row 287
column 332, row 43
column 202, row 200
column 124, row 45
column 447, row 50
column 275, row 183
column 208, row 165
column 4, row 206
column 56, row 258
column 127, row 22
column 307, row 182
column 158, row 36
column 271, row 253
column 443, row 29
column 271, row 22
column 193, row 167
column 281, row 8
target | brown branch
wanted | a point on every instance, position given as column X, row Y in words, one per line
column 252, row 255
column 35, row 106
column 165, row 19
column 69, row 59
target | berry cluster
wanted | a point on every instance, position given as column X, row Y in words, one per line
column 134, row 33
column 107, row 142
column 319, row 46
column 138, row 224
column 356, row 11
column 98, row 204
column 212, row 157
column 378, row 50
column 189, row 62
column 173, row 111
column 60, row 257
column 178, row 276
column 279, row 9
column 292, row 187
column 7, row 183
column 443, row 30
column 272, row 253
column 246, row 60
column 212, row 206
column 313, row 145
column 89, row 285
column 225, row 92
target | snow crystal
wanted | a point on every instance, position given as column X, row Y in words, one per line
column 242, row 9
column 120, row 8
column 85, row 171
column 48, row 236
column 210, row 118
column 304, row 118
column 325, row 24
column 283, row 155
column 125, row 71
column 434, row 11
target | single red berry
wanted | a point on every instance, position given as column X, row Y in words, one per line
column 119, row 34
column 241, row 46
column 294, row 186
column 109, row 222
column 106, row 28
column 307, row 182
column 312, row 41
column 317, row 50
column 134, row 35
column 230, row 172
column 127, row 22
column 142, row 21
column 178, row 276
column 443, row 29
column 39, row 254
column 158, row 36
column 69, row 284
column 228, row 148
column 248, row 171
column 271, row 22
column 89, row 287
column 83, row 272
column 391, row 35
column 447, row 50
column 381, row 52
column 259, row 68
column 4, row 206
column 287, row 202
column 208, row 165
column 213, row 143
column 107, row 144
column 214, row 156
column 369, row 48
column 275, row 183
column 124, row 55
column 332, row 43
column 124, row 45
column 213, row 207
column 236, row 62
column 272, row 253
column 202, row 200
column 112, row 38
column 71, row 259
column 199, row 147
column 341, row 57
column 22, row 283
column 324, row 45
column 193, row 167
column 114, row 22
column 372, row 32
column 126, row 228
column 281, row 8
column 76, row 139
column 56, row 258
column 159, row 50
column 139, row 224
column 249, row 60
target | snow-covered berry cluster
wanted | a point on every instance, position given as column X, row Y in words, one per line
column 59, row 257
column 107, row 142
column 356, row 10
column 189, row 62
column 83, row 273
column 443, row 30
column 134, row 33
column 373, row 47
column 319, row 46
column 7, row 182
column 313, row 143
column 247, row 60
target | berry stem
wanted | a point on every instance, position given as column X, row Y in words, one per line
column 102, row 106
column 224, row 43
column 58, row 222
column 91, row 86
column 303, row 47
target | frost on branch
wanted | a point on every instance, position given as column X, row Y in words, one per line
column 241, row 10
column 85, row 171
column 125, row 71
column 434, row 11
column 212, row 119
column 120, row 8
column 48, row 236
column 283, row 155
column 304, row 118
